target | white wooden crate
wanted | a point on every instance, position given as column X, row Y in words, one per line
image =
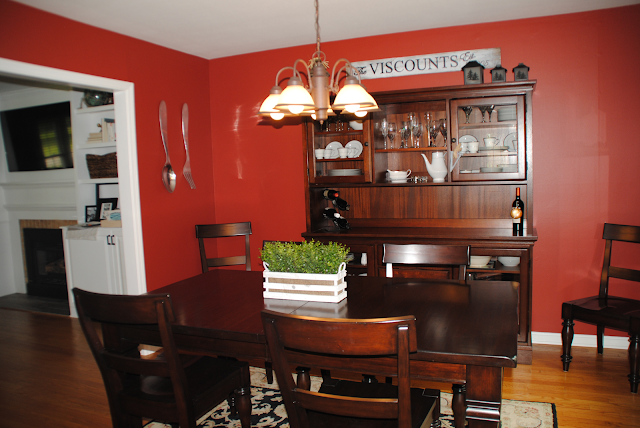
column 305, row 286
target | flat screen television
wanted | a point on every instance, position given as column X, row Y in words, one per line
column 38, row 138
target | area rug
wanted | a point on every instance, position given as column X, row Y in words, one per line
column 268, row 409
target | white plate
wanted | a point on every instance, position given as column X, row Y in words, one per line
column 333, row 146
column 492, row 148
column 511, row 141
column 355, row 144
column 467, row 139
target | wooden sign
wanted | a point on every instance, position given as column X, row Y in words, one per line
column 426, row 64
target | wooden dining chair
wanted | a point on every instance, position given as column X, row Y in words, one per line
column 419, row 254
column 606, row 311
column 353, row 345
column 224, row 230
column 171, row 388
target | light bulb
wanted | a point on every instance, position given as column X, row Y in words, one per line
column 361, row 113
column 276, row 116
column 296, row 109
column 352, row 108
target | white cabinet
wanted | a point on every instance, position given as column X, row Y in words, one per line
column 94, row 260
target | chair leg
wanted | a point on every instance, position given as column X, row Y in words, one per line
column 268, row 369
column 634, row 362
column 600, row 333
column 567, row 338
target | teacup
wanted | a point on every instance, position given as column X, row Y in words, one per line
column 473, row 146
column 319, row 153
column 464, row 147
column 352, row 153
column 343, row 153
column 490, row 141
column 327, row 153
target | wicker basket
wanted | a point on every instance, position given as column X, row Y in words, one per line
column 103, row 166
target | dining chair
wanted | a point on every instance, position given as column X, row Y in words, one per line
column 420, row 254
column 171, row 388
column 353, row 345
column 606, row 311
column 223, row 230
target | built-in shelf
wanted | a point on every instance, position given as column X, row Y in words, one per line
column 97, row 109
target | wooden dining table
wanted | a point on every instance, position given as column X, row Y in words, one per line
column 466, row 332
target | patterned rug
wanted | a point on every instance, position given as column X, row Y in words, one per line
column 268, row 409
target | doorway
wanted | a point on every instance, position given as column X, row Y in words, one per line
column 123, row 93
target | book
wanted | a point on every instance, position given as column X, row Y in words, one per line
column 108, row 130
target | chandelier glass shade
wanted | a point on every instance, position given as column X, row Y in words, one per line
column 314, row 100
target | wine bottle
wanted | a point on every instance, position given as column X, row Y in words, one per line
column 334, row 197
column 339, row 221
column 517, row 214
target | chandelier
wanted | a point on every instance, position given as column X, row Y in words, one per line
column 298, row 100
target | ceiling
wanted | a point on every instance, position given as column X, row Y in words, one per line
column 219, row 28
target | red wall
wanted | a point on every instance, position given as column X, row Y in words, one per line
column 171, row 250
column 584, row 109
column 585, row 154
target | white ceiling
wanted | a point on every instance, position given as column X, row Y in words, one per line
column 220, row 28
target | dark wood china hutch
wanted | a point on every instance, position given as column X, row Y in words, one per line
column 472, row 205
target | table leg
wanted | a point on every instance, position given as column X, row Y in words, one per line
column 484, row 396
column 458, row 404
column 304, row 378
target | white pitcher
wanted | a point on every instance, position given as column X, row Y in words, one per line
column 437, row 168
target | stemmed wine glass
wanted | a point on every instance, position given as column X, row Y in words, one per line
column 391, row 133
column 489, row 110
column 384, row 130
column 442, row 125
column 405, row 134
column 434, row 129
column 482, row 110
column 416, row 131
column 467, row 111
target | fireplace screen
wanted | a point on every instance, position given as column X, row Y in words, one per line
column 44, row 254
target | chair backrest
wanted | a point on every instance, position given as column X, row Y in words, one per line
column 118, row 358
column 617, row 232
column 426, row 255
column 224, row 230
column 351, row 341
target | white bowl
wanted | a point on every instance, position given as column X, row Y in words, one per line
column 398, row 174
column 509, row 261
column 479, row 261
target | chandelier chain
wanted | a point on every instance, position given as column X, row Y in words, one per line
column 317, row 26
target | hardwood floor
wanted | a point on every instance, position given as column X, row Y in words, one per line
column 48, row 378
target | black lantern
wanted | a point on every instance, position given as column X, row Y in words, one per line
column 473, row 73
column 521, row 72
column 499, row 74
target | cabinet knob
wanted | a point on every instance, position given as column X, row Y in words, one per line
column 453, row 140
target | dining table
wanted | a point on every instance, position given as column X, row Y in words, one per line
column 466, row 330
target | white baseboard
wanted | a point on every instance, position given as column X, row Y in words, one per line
column 587, row 340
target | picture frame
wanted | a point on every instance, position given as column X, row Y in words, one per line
column 90, row 213
column 105, row 205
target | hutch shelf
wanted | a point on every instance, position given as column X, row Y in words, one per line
column 472, row 205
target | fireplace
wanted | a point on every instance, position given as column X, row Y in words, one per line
column 44, row 259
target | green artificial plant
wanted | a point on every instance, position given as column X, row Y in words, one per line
column 304, row 257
